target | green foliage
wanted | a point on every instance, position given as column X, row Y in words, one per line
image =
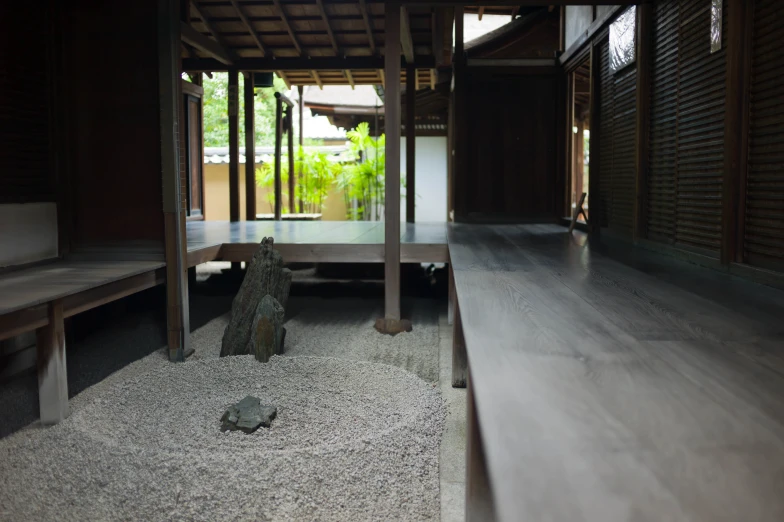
column 216, row 112
column 316, row 174
column 363, row 180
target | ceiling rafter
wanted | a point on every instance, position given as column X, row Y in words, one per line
column 285, row 19
column 247, row 23
column 285, row 78
column 406, row 41
column 318, row 79
column 368, row 26
column 331, row 34
column 208, row 46
column 211, row 28
column 350, row 78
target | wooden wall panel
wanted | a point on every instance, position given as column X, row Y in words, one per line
column 616, row 167
column 25, row 103
column 602, row 166
column 764, row 202
column 700, row 144
column 111, row 68
column 511, row 154
column 663, row 130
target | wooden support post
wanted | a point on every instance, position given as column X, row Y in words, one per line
column 450, row 159
column 234, row 146
column 736, row 129
column 292, row 174
column 391, row 322
column 459, row 355
column 593, row 178
column 301, row 102
column 172, row 180
column 52, row 375
column 479, row 506
column 459, row 117
column 278, row 144
column 411, row 144
column 250, row 150
column 644, row 58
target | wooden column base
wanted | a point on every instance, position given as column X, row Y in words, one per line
column 52, row 374
column 393, row 326
column 479, row 497
column 459, row 355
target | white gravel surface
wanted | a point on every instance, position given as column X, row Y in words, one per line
column 353, row 440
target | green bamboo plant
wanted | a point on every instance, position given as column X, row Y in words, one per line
column 363, row 180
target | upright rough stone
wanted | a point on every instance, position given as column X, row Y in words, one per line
column 266, row 334
column 265, row 276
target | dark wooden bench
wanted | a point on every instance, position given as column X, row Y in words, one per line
column 41, row 297
column 601, row 390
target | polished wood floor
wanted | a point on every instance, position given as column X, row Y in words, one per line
column 313, row 241
column 619, row 386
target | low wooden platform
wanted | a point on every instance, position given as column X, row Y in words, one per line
column 606, row 387
column 41, row 298
column 314, row 241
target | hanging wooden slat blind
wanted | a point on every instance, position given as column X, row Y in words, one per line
column 700, row 138
column 605, row 136
column 664, row 109
column 25, row 175
column 764, row 216
column 687, row 128
column 624, row 151
column 616, row 166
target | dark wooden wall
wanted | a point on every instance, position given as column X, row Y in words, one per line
column 27, row 173
column 509, row 146
column 112, row 108
column 700, row 171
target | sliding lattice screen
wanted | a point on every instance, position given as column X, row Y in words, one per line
column 687, row 128
column 764, row 202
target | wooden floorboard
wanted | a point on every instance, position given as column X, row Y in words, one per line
column 314, row 241
column 607, row 391
column 33, row 286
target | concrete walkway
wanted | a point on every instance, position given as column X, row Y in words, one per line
column 453, row 442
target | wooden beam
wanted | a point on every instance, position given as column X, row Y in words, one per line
column 433, row 77
column 285, row 79
column 458, row 121
column 234, row 147
column 383, row 78
column 249, row 26
column 411, row 145
column 325, row 63
column 250, row 149
column 211, row 28
column 350, row 78
column 206, row 45
column 406, row 40
column 437, row 30
column 327, row 25
column 644, row 59
column 366, row 17
column 481, row 13
column 515, row 11
column 736, row 129
column 392, row 165
column 285, row 20
column 317, row 78
column 52, row 372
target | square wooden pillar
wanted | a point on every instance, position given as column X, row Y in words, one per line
column 52, row 374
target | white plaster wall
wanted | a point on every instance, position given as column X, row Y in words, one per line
column 578, row 19
column 430, row 178
column 28, row 233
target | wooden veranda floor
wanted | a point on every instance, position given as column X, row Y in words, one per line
column 314, row 241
